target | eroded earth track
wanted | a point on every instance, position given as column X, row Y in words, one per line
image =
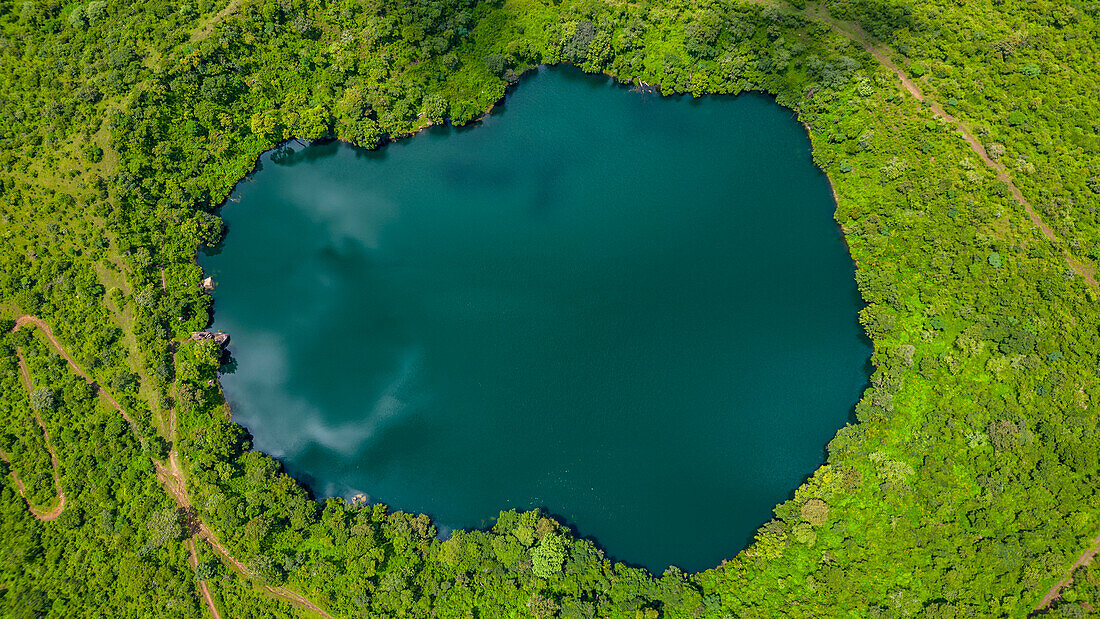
column 41, row 513
column 169, row 473
column 883, row 53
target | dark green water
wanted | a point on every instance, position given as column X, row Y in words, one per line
column 634, row 312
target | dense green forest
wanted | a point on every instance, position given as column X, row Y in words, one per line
column 967, row 486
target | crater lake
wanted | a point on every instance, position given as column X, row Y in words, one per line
column 635, row 312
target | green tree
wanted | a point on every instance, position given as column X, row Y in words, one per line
column 265, row 569
column 314, row 123
column 42, row 399
column 435, row 108
column 164, row 526
column 548, row 555
column 815, row 512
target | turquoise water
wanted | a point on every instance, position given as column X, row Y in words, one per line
column 635, row 312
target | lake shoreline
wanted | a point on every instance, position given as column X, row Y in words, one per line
column 595, row 144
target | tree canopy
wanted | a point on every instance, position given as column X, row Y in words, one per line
column 967, row 484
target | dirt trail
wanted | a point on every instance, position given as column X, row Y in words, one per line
column 172, row 478
column 202, row 583
column 204, row 588
column 27, row 319
column 204, row 31
column 38, row 512
column 882, row 54
column 199, row 528
column 1056, row 591
column 173, row 481
column 19, row 487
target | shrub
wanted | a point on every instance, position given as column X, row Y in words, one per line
column 548, row 557
column 815, row 512
column 42, row 398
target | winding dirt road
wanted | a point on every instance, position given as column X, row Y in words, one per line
column 882, row 54
column 172, row 478
column 27, row 319
column 38, row 512
column 171, row 475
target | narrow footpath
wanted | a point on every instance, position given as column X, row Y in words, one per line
column 41, row 513
column 203, row 588
column 1056, row 591
column 882, row 53
column 171, row 477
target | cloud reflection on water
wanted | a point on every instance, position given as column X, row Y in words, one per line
column 401, row 395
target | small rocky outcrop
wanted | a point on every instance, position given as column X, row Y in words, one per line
column 201, row 336
column 207, row 284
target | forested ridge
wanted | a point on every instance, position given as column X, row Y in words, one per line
column 966, row 486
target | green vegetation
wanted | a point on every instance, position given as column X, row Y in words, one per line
column 115, row 548
column 1082, row 594
column 1023, row 76
column 968, row 487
